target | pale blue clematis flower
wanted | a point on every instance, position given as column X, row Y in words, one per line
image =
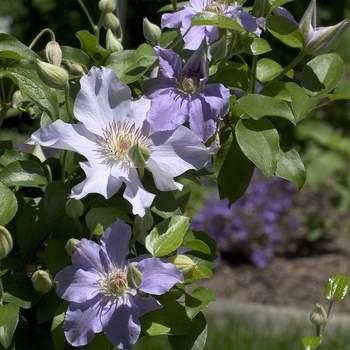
column 116, row 140
column 318, row 40
column 194, row 36
column 101, row 298
column 182, row 94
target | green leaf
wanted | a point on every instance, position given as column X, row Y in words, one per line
column 234, row 76
column 256, row 46
column 99, row 219
column 47, row 305
column 191, row 242
column 232, row 169
column 90, row 45
column 276, row 3
column 322, row 74
column 11, row 155
column 212, row 19
column 23, row 74
column 198, row 300
column 8, row 205
column 302, row 103
column 311, row 343
column 337, row 287
column 8, row 323
column 55, row 199
column 291, row 168
column 75, row 55
column 130, row 65
column 268, row 69
column 12, row 48
column 159, row 342
column 278, row 90
column 57, row 332
column 259, row 141
column 341, row 92
column 19, row 289
column 56, row 256
column 285, row 30
column 167, row 235
column 258, row 106
column 193, row 341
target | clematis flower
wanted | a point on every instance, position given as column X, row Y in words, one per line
column 115, row 138
column 181, row 94
column 98, row 287
column 318, row 40
column 193, row 38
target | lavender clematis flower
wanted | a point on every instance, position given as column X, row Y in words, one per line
column 193, row 38
column 115, row 137
column 318, row 40
column 98, row 289
column 181, row 94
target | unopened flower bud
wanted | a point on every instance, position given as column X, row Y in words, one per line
column 74, row 68
column 183, row 263
column 111, row 22
column 218, row 50
column 107, row 6
column 144, row 223
column 53, row 53
column 318, row 315
column 134, row 277
column 71, row 246
column 112, row 43
column 151, row 32
column 42, row 281
column 139, row 155
column 6, row 242
column 74, row 208
column 51, row 75
column 17, row 99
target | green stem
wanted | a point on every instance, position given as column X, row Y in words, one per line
column 290, row 66
column 46, row 30
column 87, row 14
column 1, row 289
column 64, row 157
column 68, row 105
column 253, row 74
column 80, row 227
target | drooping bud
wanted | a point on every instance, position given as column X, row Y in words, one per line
column 112, row 43
column 318, row 315
column 111, row 22
column 74, row 208
column 144, row 223
column 107, row 6
column 42, row 281
column 74, row 68
column 53, row 53
column 151, row 32
column 134, row 277
column 6, row 243
column 51, row 75
column 17, row 99
column 139, row 155
column 71, row 246
column 183, row 263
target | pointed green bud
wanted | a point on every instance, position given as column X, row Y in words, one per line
column 139, row 155
column 6, row 243
column 42, row 281
column 151, row 32
column 51, row 75
column 53, row 53
column 218, row 50
column 134, row 277
column 111, row 22
column 17, row 99
column 74, row 68
column 112, row 43
column 107, row 6
column 183, row 263
column 71, row 246
column 74, row 208
column 318, row 315
column 144, row 223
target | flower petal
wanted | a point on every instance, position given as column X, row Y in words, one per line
column 146, row 305
column 169, row 62
column 198, row 63
column 87, row 255
column 158, row 276
column 175, row 20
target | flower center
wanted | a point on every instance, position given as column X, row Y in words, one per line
column 115, row 284
column 214, row 7
column 190, row 83
column 116, row 141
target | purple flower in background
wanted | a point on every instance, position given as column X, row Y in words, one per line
column 101, row 298
column 193, row 38
column 115, row 138
column 181, row 94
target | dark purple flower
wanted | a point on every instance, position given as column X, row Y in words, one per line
column 101, row 298
column 181, row 94
column 194, row 36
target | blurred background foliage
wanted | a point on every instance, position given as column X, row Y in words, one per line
column 322, row 138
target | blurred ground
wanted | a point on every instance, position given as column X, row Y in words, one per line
column 297, row 281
